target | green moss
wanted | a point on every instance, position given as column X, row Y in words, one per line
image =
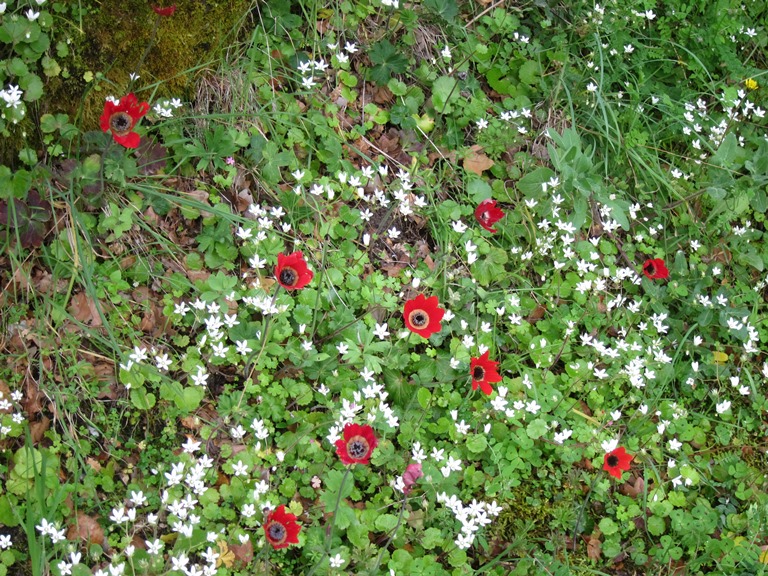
column 116, row 34
column 525, row 514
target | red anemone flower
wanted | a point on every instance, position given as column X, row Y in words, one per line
column 412, row 473
column 167, row 11
column 423, row 315
column 120, row 117
column 488, row 214
column 281, row 528
column 655, row 269
column 484, row 372
column 292, row 272
column 357, row 445
column 617, row 461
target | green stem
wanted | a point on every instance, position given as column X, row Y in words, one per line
column 254, row 358
column 392, row 535
column 329, row 532
column 151, row 42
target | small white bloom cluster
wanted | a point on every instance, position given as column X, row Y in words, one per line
column 472, row 517
column 50, row 529
column 309, row 69
column 165, row 108
column 372, row 400
column 8, row 406
column 362, row 186
column 12, row 96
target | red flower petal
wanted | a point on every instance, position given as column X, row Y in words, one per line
column 655, row 269
column 281, row 528
column 120, row 118
column 168, row 11
column 292, row 272
column 617, row 461
column 357, row 445
column 423, row 315
column 487, row 214
column 412, row 473
column 130, row 140
column 484, row 372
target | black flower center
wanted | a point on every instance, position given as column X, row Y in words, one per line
column 419, row 318
column 485, row 216
column 613, row 461
column 288, row 277
column 121, row 123
column 478, row 373
column 357, row 447
column 650, row 269
column 277, row 532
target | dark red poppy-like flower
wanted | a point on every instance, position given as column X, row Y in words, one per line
column 617, row 461
column 120, row 117
column 357, row 445
column 412, row 473
column 484, row 372
column 487, row 214
column 281, row 528
column 292, row 272
column 167, row 11
column 423, row 315
column 655, row 269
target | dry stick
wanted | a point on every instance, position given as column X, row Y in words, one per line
column 484, row 12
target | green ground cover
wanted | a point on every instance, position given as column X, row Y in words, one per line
column 379, row 287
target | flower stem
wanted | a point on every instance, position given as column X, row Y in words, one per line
column 250, row 363
column 392, row 535
column 329, row 530
column 151, row 43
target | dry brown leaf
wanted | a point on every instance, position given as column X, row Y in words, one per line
column 382, row 95
column 226, row 556
column 87, row 529
column 38, row 428
column 202, row 197
column 243, row 552
column 594, row 546
column 476, row 161
column 244, row 200
column 537, row 314
column 633, row 489
column 83, row 309
column 148, row 320
column 32, row 397
column 191, row 422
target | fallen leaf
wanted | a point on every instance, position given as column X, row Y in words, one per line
column 594, row 546
column 633, row 489
column 244, row 200
column 38, row 428
column 243, row 552
column 475, row 161
column 226, row 556
column 87, row 529
column 83, row 309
